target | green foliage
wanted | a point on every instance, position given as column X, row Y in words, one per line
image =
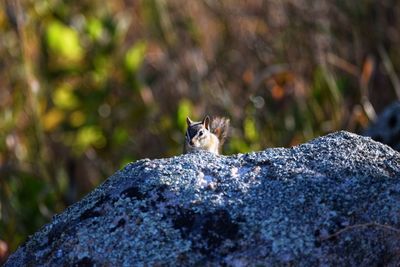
column 120, row 136
column 88, row 136
column 63, row 41
column 184, row 110
column 94, row 28
column 250, row 130
column 88, row 87
column 135, row 56
column 64, row 98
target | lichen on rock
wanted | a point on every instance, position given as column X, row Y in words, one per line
column 332, row 201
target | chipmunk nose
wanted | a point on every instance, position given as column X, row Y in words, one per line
column 191, row 143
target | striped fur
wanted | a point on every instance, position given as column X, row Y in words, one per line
column 206, row 135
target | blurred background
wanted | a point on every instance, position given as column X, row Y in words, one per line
column 89, row 86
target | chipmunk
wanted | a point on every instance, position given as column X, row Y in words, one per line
column 206, row 135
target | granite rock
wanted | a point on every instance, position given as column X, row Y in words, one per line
column 334, row 201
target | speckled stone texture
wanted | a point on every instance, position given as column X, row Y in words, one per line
column 334, row 201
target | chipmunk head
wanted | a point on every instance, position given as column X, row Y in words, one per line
column 198, row 133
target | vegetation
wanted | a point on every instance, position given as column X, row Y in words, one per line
column 88, row 86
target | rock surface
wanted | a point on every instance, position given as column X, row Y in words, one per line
column 334, row 201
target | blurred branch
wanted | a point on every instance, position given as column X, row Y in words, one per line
column 366, row 74
column 368, row 108
column 390, row 70
column 342, row 64
column 16, row 17
column 337, row 98
column 332, row 85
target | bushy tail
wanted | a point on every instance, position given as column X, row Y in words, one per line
column 220, row 127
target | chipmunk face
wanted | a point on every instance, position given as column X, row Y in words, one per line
column 198, row 133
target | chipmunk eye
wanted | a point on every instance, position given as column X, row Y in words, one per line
column 201, row 133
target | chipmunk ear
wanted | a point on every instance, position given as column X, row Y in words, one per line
column 206, row 122
column 189, row 121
